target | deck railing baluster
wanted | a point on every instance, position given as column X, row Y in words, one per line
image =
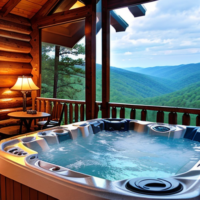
column 198, row 120
column 160, row 117
column 82, row 112
column 122, row 112
column 172, row 118
column 76, row 112
column 66, row 114
column 70, row 113
column 186, row 119
column 114, row 112
column 96, row 110
column 38, row 105
column 132, row 114
column 143, row 115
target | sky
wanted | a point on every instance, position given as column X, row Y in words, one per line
column 168, row 35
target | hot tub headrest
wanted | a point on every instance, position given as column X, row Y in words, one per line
column 116, row 124
column 192, row 133
column 97, row 126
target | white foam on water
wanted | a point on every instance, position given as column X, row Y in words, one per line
column 125, row 155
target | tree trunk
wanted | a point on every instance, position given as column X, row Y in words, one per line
column 57, row 51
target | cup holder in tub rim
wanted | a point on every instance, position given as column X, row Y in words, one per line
column 28, row 139
column 60, row 131
column 161, row 128
column 16, row 151
column 46, row 133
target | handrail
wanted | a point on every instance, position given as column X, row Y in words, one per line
column 75, row 110
column 157, row 108
column 61, row 100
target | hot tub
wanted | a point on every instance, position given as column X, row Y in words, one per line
column 107, row 159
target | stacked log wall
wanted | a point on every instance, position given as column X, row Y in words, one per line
column 15, row 60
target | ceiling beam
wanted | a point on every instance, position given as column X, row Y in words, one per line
column 45, row 10
column 115, row 4
column 86, row 2
column 9, row 6
column 64, row 17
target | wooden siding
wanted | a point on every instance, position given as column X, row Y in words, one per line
column 11, row 190
column 15, row 60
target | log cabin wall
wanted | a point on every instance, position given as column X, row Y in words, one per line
column 15, row 60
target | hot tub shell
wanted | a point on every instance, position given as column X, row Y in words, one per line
column 62, row 183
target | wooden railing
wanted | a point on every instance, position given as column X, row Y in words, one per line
column 74, row 110
column 172, row 116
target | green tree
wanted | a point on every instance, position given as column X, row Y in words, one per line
column 62, row 76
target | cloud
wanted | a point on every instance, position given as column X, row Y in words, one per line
column 170, row 28
column 127, row 53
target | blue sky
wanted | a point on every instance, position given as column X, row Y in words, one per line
column 169, row 34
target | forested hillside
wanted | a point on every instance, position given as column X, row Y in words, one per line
column 187, row 97
column 168, row 72
column 126, row 86
column 166, row 86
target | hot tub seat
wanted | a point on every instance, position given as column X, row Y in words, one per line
column 116, row 124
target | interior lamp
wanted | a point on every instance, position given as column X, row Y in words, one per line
column 24, row 84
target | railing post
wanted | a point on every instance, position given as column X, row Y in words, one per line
column 122, row 112
column 144, row 115
column 105, row 60
column 160, row 117
column 90, row 62
column 114, row 112
column 133, row 113
column 172, row 118
column 186, row 119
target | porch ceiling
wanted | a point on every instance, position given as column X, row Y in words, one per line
column 66, row 34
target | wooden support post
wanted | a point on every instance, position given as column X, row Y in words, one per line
column 36, row 62
column 7, row 8
column 90, row 34
column 105, row 60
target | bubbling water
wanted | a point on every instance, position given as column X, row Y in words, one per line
column 124, row 155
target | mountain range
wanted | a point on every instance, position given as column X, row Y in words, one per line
column 131, row 85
